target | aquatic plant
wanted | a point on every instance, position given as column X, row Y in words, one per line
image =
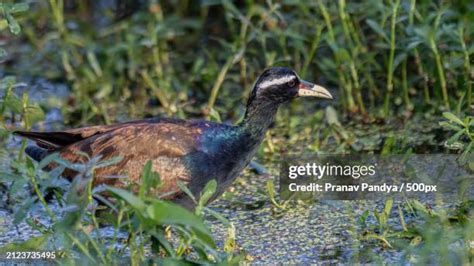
column 165, row 231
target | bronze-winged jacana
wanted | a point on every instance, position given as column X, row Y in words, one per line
column 194, row 152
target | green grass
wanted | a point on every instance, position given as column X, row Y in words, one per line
column 168, row 231
column 382, row 58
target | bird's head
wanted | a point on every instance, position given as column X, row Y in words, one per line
column 281, row 84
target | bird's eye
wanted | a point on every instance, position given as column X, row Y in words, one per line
column 291, row 83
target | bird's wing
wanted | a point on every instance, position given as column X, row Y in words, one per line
column 58, row 139
column 165, row 144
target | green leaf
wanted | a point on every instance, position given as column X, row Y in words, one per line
column 128, row 197
column 376, row 27
column 186, row 190
column 8, row 177
column 12, row 24
column 7, row 81
column 14, row 104
column 453, row 118
column 149, row 179
column 145, row 175
column 3, row 132
column 467, row 157
column 73, row 166
column 47, row 160
column 381, row 238
column 35, row 243
column 343, row 54
column 402, row 219
column 389, row 144
column 23, row 210
column 174, row 262
column 77, row 200
column 363, row 218
column 451, row 126
column 112, row 161
column 453, row 139
column 166, row 213
column 230, row 244
column 271, row 194
column 377, row 216
column 271, row 190
column 3, row 53
column 37, row 225
column 19, row 7
column 399, row 59
column 17, row 185
column 3, row 24
column 423, row 32
column 331, row 116
column 34, row 114
column 388, row 207
column 56, row 172
column 163, row 242
column 218, row 216
column 208, row 192
column 419, row 207
column 413, row 45
column 214, row 115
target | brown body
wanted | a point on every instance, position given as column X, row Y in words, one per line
column 194, row 152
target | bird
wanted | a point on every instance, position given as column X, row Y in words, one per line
column 191, row 151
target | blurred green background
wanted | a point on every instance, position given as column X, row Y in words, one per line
column 183, row 58
column 386, row 62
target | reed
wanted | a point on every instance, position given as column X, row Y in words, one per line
column 390, row 66
column 467, row 68
column 345, row 84
column 438, row 61
column 367, row 52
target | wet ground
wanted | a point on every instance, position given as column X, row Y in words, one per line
column 322, row 231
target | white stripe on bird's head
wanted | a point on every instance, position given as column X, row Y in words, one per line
column 277, row 81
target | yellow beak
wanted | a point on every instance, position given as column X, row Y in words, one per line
column 308, row 89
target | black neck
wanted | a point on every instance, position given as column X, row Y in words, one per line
column 258, row 118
